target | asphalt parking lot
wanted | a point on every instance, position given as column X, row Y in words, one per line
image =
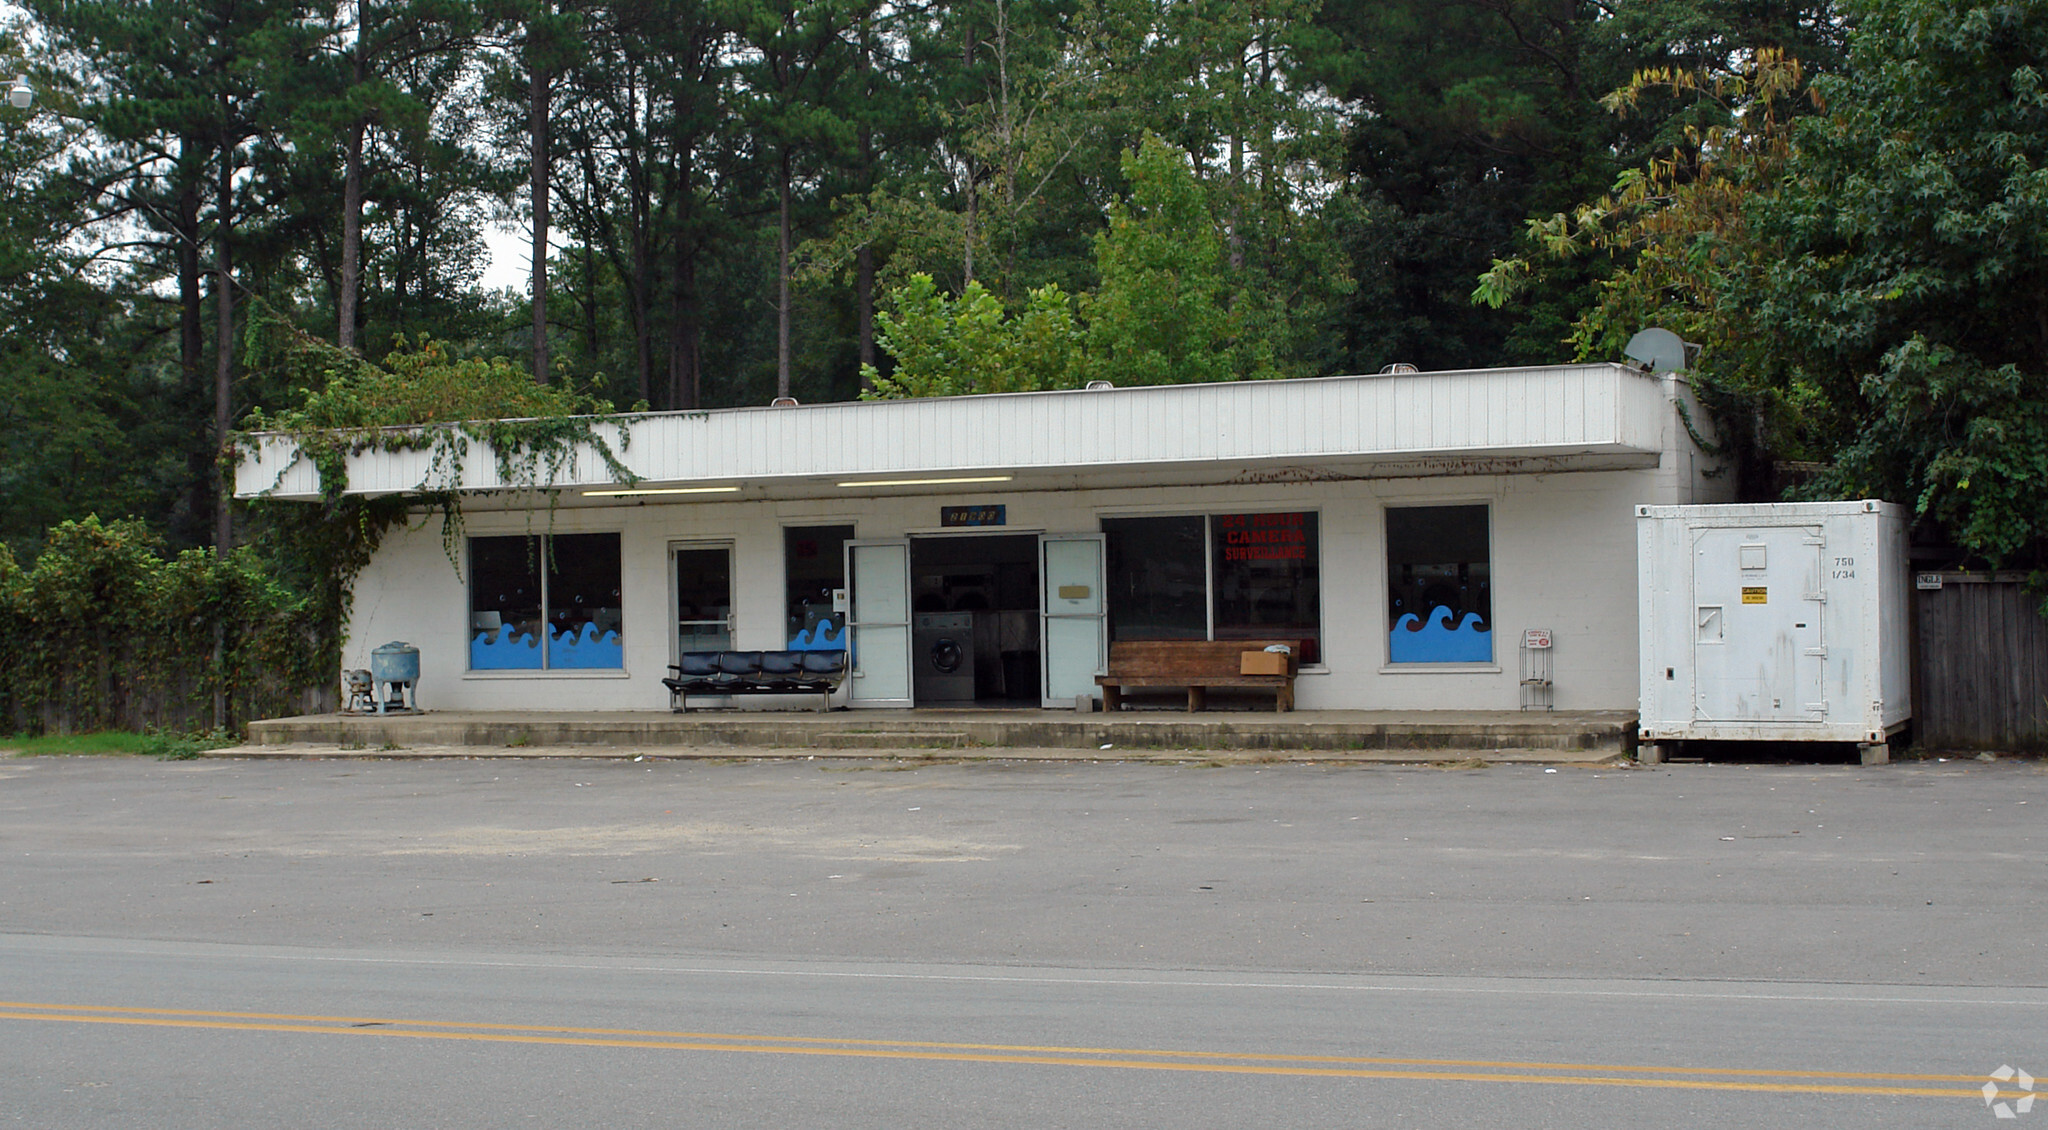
column 997, row 943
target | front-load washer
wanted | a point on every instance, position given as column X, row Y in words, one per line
column 942, row 657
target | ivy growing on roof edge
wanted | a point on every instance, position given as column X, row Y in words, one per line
column 422, row 398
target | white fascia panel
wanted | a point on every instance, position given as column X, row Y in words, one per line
column 1604, row 409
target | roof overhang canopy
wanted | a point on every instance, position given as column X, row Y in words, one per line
column 1488, row 421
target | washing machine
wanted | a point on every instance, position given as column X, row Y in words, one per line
column 942, row 657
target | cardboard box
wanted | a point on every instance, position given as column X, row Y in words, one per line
column 1263, row 663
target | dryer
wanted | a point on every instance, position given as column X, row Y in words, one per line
column 942, row 657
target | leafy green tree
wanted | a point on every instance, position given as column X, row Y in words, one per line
column 794, row 100
column 1469, row 117
column 964, row 163
column 1671, row 238
column 83, row 427
column 952, row 347
column 1266, row 144
column 1465, row 117
column 1910, row 302
column 550, row 42
column 362, row 79
column 645, row 176
column 1163, row 312
column 174, row 91
column 1868, row 281
column 146, row 76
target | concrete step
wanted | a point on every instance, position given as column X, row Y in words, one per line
column 1420, row 735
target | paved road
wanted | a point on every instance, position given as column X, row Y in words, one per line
column 486, row 943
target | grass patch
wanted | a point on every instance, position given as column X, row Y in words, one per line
column 169, row 745
column 75, row 745
column 165, row 745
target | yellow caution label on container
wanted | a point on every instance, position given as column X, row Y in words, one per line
column 1755, row 594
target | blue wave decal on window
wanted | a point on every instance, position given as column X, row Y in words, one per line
column 1440, row 640
column 504, row 649
column 586, row 649
column 819, row 637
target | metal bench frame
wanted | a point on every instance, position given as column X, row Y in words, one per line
column 723, row 673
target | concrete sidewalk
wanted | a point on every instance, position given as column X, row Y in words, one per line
column 1368, row 736
column 910, row 756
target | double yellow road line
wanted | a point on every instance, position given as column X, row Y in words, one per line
column 1127, row 1059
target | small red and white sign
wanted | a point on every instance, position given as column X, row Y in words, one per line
column 1536, row 639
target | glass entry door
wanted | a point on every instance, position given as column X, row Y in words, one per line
column 703, row 597
column 1071, row 612
column 878, row 572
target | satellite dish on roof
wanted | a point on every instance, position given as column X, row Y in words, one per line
column 1659, row 350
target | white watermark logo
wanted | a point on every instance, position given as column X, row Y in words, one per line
column 2024, row 1096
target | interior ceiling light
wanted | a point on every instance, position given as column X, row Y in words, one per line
column 927, row 482
column 625, row 492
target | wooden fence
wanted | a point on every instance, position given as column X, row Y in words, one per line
column 1980, row 672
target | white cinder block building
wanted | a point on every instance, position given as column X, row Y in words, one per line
column 1406, row 528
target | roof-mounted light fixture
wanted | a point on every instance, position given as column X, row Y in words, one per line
column 630, row 492
column 927, row 482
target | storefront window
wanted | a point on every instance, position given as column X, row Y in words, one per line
column 1157, row 587
column 570, row 619
column 813, row 565
column 505, row 617
column 1223, row 576
column 584, row 625
column 1267, row 579
column 1439, row 580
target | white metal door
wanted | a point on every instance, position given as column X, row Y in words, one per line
column 878, row 622
column 1759, row 634
column 1071, row 621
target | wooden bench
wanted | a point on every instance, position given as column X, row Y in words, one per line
column 1194, row 664
column 755, row 672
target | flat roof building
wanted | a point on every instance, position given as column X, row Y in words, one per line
column 1407, row 529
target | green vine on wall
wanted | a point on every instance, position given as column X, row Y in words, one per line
column 421, row 399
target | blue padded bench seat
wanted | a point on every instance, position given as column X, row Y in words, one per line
column 754, row 672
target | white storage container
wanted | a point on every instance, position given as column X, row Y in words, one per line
column 1773, row 622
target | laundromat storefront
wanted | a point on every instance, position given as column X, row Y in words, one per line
column 1404, row 529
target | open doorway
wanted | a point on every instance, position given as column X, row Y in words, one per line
column 975, row 620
